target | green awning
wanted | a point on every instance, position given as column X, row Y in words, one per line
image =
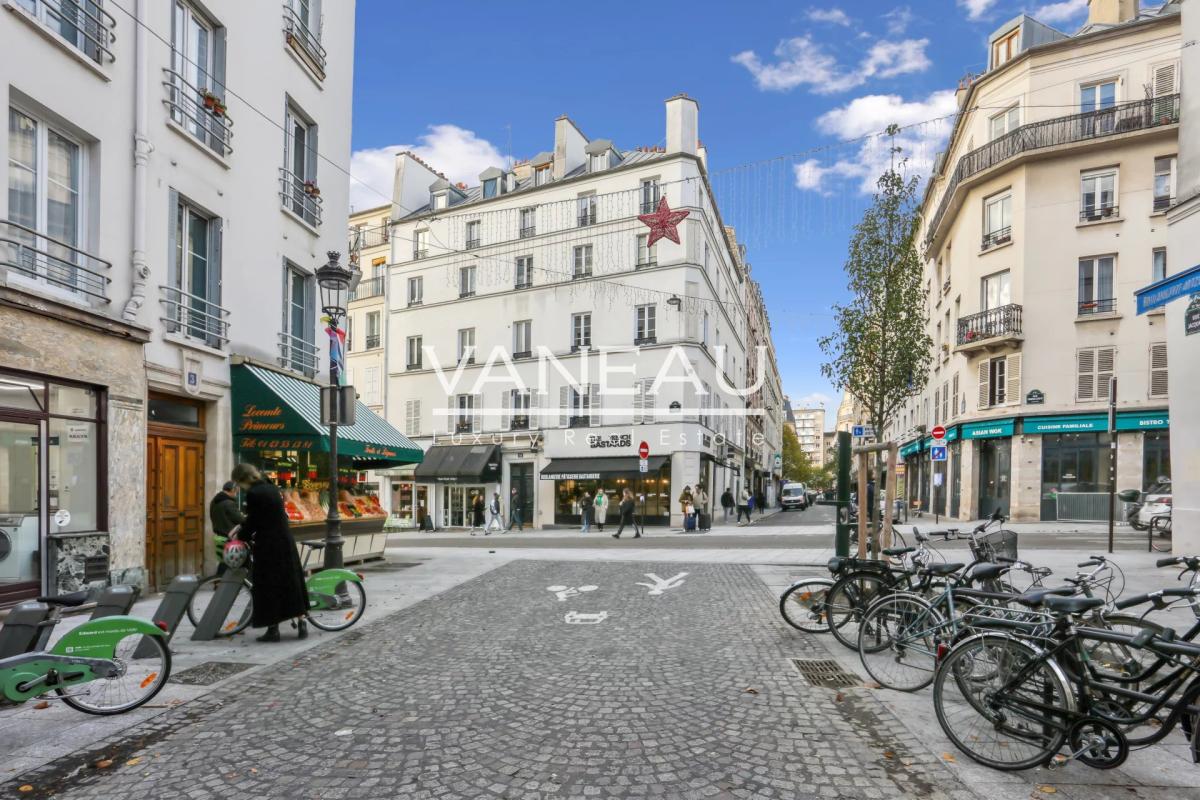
column 987, row 430
column 274, row 411
column 1143, row 420
column 1066, row 423
column 911, row 448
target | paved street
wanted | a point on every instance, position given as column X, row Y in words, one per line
column 488, row 691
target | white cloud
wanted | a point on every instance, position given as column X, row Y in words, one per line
column 813, row 400
column 898, row 20
column 801, row 61
column 871, row 114
column 976, row 8
column 833, row 16
column 454, row 151
column 1065, row 11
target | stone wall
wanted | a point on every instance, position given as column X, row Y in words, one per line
column 1026, row 502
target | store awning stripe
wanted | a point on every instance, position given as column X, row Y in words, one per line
column 596, row 468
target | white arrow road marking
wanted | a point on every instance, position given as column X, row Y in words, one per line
column 661, row 585
column 564, row 593
column 581, row 618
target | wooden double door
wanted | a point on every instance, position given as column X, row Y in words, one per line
column 175, row 507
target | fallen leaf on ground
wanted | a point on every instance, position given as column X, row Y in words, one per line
column 888, row 754
column 839, row 697
column 1047, row 789
column 133, row 762
column 750, row 690
column 874, row 685
column 43, row 704
column 949, row 757
column 25, row 788
column 253, row 771
column 104, row 763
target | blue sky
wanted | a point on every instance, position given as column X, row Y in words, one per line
column 467, row 83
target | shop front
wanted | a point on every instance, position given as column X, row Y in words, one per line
column 453, row 476
column 993, row 443
column 277, row 428
column 578, row 478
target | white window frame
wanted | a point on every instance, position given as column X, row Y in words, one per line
column 522, row 336
column 646, row 256
column 581, row 330
column 1094, row 85
column 1009, row 120
column 645, row 322
column 527, row 215
column 466, row 345
column 1094, row 264
column 1170, row 173
column 413, row 347
column 473, row 227
column 1001, row 203
column 1003, row 292
column 581, row 261
column 41, row 175
column 1157, row 274
column 541, row 175
column 466, row 281
column 598, row 162
column 523, row 272
column 416, row 290
column 1097, row 176
column 650, row 194
column 586, row 210
column 420, row 244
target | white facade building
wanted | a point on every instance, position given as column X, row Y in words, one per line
column 168, row 200
column 810, row 431
column 548, row 259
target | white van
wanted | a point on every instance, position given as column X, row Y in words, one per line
column 795, row 495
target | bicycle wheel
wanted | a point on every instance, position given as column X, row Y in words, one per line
column 236, row 619
column 803, row 604
column 1119, row 662
column 1160, row 535
column 898, row 641
column 340, row 610
column 1002, row 705
column 848, row 600
column 138, row 678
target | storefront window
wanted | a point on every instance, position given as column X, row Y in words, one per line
column 1072, row 463
column 21, row 394
column 303, row 480
column 655, row 510
column 1156, row 458
column 74, row 476
column 19, row 508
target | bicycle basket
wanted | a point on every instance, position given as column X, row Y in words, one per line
column 998, row 544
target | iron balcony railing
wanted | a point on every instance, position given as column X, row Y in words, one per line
column 372, row 340
column 53, row 261
column 1097, row 213
column 1125, row 118
column 1162, row 202
column 198, row 111
column 83, row 23
column 643, row 263
column 472, row 243
column 994, row 238
column 297, row 354
column 419, row 253
column 581, row 273
column 519, row 422
column 649, row 206
column 303, row 40
column 525, row 284
column 528, row 231
column 1099, row 305
column 368, row 237
column 300, row 196
column 587, row 217
column 195, row 316
column 999, row 321
column 370, row 287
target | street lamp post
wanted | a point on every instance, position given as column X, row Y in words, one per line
column 335, row 282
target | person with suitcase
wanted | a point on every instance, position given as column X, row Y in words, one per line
column 703, row 520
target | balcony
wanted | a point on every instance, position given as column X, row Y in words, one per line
column 83, row 24
column 194, row 316
column 996, row 238
column 198, row 111
column 297, row 354
column 587, row 218
column 420, row 253
column 638, row 341
column 580, row 420
column 1099, row 305
column 61, row 267
column 1162, row 202
column 371, row 287
column 1075, row 128
column 372, row 341
column 304, row 43
column 301, row 197
column 1099, row 213
column 368, row 237
column 527, row 231
column 465, row 425
column 992, row 329
column 519, row 423
column 472, row 243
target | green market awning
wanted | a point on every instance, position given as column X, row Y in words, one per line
column 274, row 411
column 987, row 430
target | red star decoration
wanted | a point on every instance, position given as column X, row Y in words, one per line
column 663, row 223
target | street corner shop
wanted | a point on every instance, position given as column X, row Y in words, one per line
column 277, row 428
column 1044, row 467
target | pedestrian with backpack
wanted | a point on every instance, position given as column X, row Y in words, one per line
column 727, row 502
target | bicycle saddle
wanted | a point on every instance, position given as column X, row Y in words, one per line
column 898, row 551
column 987, row 572
column 1071, row 605
column 943, row 569
column 69, row 600
column 1034, row 597
column 314, row 545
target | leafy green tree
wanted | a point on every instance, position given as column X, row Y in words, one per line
column 796, row 463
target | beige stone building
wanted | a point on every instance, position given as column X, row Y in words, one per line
column 1046, row 211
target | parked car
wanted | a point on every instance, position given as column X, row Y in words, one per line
column 1153, row 502
column 794, row 495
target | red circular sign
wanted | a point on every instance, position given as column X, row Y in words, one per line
column 939, row 432
column 643, row 450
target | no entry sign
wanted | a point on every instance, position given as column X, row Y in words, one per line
column 643, row 450
column 939, row 432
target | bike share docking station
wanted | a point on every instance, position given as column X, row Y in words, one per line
column 209, row 626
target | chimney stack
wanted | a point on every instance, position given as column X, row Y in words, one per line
column 569, row 143
column 683, row 127
column 1112, row 12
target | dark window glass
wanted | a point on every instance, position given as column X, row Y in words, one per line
column 171, row 412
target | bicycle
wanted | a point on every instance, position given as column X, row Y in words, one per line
column 104, row 666
column 1011, row 700
column 1160, row 524
column 336, row 598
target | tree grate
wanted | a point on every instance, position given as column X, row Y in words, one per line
column 825, row 672
column 210, row 672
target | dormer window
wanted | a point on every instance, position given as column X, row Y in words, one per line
column 541, row 176
column 491, row 187
column 441, row 200
column 598, row 162
column 1005, row 48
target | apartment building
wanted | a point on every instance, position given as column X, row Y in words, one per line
column 167, row 205
column 810, row 431
column 764, row 430
column 542, row 278
column 1046, row 211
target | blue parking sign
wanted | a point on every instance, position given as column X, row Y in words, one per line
column 937, row 452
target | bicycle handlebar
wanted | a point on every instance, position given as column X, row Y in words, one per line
column 1155, row 597
column 1192, row 562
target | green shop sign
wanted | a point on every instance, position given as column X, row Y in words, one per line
column 1143, row 421
column 988, row 430
column 1074, row 423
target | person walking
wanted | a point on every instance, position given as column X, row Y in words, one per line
column 601, row 506
column 744, row 505
column 277, row 578
column 703, row 521
column 760, row 502
column 476, row 512
column 626, row 510
column 494, row 515
column 225, row 516
column 727, row 502
column 586, row 511
column 514, row 511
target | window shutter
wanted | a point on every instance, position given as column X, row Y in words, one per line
column 414, row 414
column 214, row 283
column 477, row 414
column 505, row 409
column 954, row 404
column 639, row 401
column 1012, row 391
column 452, row 403
column 1105, row 366
column 594, row 409
column 1158, row 370
column 1164, row 87
column 172, row 253
column 1085, row 375
column 648, row 401
column 564, row 406
column 937, row 404
column 983, row 383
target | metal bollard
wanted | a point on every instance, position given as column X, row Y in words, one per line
column 218, row 608
column 171, row 609
column 113, row 601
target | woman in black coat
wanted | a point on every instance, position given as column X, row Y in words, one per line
column 627, row 508
column 277, row 578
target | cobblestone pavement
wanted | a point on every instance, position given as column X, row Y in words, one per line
column 488, row 691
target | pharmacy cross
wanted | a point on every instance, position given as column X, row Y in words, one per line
column 661, row 585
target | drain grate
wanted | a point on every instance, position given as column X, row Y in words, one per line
column 825, row 672
column 210, row 672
